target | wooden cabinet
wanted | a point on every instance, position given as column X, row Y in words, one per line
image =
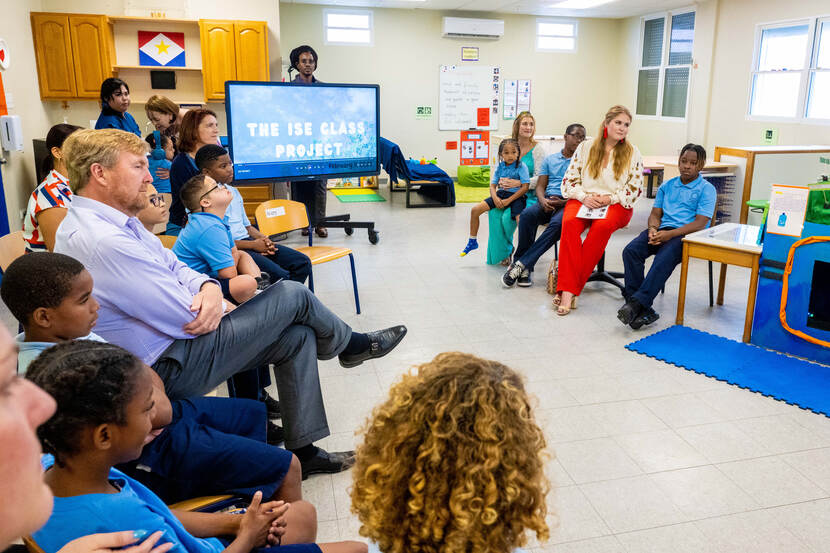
column 91, row 44
column 73, row 54
column 251, row 50
column 232, row 50
column 53, row 52
column 252, row 196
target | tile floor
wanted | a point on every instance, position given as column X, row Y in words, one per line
column 648, row 457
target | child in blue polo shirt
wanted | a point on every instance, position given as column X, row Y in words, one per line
column 510, row 167
column 684, row 204
column 206, row 244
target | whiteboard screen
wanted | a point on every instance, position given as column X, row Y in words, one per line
column 462, row 91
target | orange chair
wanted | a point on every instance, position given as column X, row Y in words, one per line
column 278, row 216
column 167, row 241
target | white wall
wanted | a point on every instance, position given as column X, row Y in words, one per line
column 408, row 49
column 20, row 83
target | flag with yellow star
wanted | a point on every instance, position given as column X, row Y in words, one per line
column 161, row 49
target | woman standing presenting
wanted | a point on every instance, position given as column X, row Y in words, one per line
column 502, row 226
column 605, row 171
column 198, row 128
column 115, row 101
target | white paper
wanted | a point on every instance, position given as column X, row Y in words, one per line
column 467, row 149
column 787, row 209
column 274, row 212
column 510, row 88
column 586, row 212
column 482, row 151
column 523, row 95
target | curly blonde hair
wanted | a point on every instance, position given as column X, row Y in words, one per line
column 452, row 462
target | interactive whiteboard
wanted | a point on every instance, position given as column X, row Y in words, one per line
column 463, row 91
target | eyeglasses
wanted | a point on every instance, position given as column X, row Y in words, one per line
column 578, row 136
column 218, row 185
column 157, row 200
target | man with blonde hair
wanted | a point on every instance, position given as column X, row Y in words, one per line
column 173, row 318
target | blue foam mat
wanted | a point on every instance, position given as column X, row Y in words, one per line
column 772, row 374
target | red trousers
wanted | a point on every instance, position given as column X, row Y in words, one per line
column 577, row 259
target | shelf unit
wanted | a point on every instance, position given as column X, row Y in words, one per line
column 155, row 68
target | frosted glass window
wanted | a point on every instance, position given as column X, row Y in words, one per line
column 783, row 48
column 818, row 106
column 556, row 35
column 682, row 38
column 775, row 94
column 647, row 90
column 823, row 49
column 348, row 27
column 653, row 42
column 675, row 92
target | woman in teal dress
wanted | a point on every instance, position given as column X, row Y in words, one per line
column 502, row 225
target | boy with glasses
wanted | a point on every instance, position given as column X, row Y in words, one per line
column 157, row 211
column 206, row 245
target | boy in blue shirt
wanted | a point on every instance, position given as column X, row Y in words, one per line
column 547, row 211
column 510, row 169
column 279, row 262
column 684, row 204
column 206, row 245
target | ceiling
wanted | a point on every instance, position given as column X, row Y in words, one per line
column 612, row 9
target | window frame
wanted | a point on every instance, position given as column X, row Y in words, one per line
column 338, row 11
column 810, row 68
column 667, row 17
column 557, row 21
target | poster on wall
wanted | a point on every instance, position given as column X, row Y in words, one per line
column 475, row 147
column 523, row 96
column 509, row 104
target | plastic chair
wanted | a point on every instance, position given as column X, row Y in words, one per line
column 167, row 241
column 277, row 216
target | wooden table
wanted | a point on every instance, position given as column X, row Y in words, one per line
column 728, row 244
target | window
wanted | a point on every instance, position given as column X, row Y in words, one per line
column 555, row 35
column 791, row 71
column 665, row 65
column 348, row 26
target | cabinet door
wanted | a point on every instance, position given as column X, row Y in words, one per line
column 218, row 56
column 251, row 50
column 53, row 52
column 90, row 52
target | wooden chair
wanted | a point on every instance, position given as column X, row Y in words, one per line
column 278, row 216
column 167, row 241
column 12, row 246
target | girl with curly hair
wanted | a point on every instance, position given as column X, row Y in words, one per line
column 452, row 462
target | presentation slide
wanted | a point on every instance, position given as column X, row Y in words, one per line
column 280, row 131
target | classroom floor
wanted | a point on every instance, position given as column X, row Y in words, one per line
column 648, row 457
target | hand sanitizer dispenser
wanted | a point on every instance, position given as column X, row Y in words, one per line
column 11, row 133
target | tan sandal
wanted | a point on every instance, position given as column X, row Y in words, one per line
column 561, row 310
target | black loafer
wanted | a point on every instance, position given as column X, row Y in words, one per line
column 645, row 318
column 324, row 462
column 381, row 342
column 629, row 311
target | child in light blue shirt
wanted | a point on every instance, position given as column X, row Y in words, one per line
column 508, row 185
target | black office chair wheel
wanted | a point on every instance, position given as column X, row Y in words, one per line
column 373, row 237
column 349, row 231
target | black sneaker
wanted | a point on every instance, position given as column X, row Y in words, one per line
column 381, row 342
column 524, row 280
column 629, row 311
column 273, row 407
column 325, row 462
column 275, row 434
column 263, row 281
column 513, row 273
column 647, row 317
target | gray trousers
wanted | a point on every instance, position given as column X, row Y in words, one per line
column 285, row 325
column 313, row 195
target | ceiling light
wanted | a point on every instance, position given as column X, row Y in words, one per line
column 579, row 4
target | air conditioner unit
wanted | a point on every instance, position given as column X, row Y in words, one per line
column 464, row 27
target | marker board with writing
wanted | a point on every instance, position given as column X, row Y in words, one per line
column 463, row 89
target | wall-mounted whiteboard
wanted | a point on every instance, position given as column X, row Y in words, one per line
column 463, row 89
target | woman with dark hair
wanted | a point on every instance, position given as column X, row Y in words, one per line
column 115, row 101
column 312, row 193
column 198, row 128
column 48, row 203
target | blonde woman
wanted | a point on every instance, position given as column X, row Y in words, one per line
column 605, row 171
column 502, row 225
column 452, row 462
column 165, row 115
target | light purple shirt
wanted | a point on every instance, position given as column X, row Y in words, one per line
column 144, row 291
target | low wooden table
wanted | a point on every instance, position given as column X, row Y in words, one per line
column 728, row 244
